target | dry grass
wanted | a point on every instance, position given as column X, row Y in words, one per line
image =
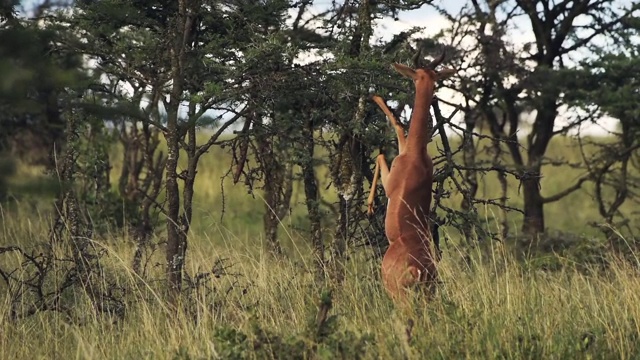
column 495, row 308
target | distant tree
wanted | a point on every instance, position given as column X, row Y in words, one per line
column 532, row 78
column 271, row 124
column 609, row 87
column 185, row 59
column 35, row 77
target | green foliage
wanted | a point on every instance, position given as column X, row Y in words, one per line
column 38, row 64
column 610, row 82
column 36, row 79
column 261, row 343
column 323, row 338
column 556, row 250
column 109, row 211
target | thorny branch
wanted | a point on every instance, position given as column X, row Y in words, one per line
column 30, row 291
column 452, row 171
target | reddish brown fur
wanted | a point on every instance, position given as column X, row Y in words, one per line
column 409, row 261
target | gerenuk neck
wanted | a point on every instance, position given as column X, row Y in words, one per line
column 421, row 126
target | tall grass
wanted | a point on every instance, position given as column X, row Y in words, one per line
column 492, row 306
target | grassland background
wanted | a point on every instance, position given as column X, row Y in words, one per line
column 495, row 308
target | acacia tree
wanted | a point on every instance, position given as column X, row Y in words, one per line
column 609, row 87
column 33, row 89
column 296, row 104
column 531, row 77
column 359, row 63
column 50, row 91
column 184, row 58
column 275, row 112
column 353, row 22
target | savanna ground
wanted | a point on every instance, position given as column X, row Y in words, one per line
column 497, row 305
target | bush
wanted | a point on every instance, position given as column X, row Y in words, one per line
column 321, row 339
column 554, row 251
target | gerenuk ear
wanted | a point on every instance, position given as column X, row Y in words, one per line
column 405, row 70
column 443, row 74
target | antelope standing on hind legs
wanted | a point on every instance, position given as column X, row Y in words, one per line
column 410, row 259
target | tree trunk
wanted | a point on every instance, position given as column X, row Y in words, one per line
column 270, row 218
column 312, row 202
column 538, row 141
column 278, row 189
column 342, row 174
column 348, row 172
column 278, row 185
column 533, row 223
column 176, row 239
column 175, row 242
column 502, row 179
column 470, row 177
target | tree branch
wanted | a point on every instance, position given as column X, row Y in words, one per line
column 205, row 147
column 567, row 191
